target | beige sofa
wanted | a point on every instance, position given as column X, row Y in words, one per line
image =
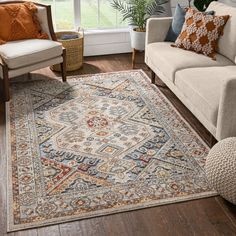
column 206, row 87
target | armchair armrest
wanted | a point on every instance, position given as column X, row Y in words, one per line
column 226, row 123
column 157, row 29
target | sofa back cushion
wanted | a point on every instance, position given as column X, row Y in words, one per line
column 227, row 42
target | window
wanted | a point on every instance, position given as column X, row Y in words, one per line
column 62, row 13
column 89, row 14
column 99, row 14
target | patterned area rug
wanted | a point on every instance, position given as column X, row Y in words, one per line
column 97, row 145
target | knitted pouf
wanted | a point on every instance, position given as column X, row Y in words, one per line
column 221, row 168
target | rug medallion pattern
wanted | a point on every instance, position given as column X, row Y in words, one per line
column 97, row 145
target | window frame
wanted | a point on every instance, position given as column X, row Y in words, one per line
column 77, row 13
column 78, row 21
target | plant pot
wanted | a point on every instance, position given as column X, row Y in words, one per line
column 137, row 39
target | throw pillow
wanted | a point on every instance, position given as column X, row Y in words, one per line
column 176, row 25
column 200, row 32
column 178, row 22
column 19, row 21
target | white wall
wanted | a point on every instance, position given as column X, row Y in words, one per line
column 229, row 2
column 107, row 42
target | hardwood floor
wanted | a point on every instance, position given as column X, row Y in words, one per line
column 211, row 216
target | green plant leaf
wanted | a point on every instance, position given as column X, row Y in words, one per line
column 202, row 5
column 138, row 11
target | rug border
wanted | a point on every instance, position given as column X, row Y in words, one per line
column 8, row 162
column 12, row 228
column 107, row 212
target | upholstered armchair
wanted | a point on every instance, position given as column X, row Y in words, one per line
column 24, row 56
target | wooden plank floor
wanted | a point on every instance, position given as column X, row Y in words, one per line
column 211, row 216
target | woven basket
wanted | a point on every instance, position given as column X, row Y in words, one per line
column 74, row 50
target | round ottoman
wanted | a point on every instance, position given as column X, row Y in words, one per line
column 221, row 168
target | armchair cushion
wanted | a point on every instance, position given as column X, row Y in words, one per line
column 19, row 21
column 22, row 53
column 43, row 20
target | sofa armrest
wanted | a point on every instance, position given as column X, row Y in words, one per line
column 226, row 123
column 157, row 29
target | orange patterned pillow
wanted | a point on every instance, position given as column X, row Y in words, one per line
column 19, row 21
column 200, row 32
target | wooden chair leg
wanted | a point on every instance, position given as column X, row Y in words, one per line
column 63, row 66
column 6, row 83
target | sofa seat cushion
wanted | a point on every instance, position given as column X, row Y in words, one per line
column 202, row 87
column 20, row 53
column 169, row 59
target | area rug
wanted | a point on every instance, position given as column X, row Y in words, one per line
column 97, row 145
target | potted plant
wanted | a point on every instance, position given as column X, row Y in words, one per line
column 202, row 5
column 137, row 12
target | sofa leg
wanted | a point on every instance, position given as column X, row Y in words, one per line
column 6, row 83
column 212, row 141
column 153, row 76
column 29, row 76
column 63, row 66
